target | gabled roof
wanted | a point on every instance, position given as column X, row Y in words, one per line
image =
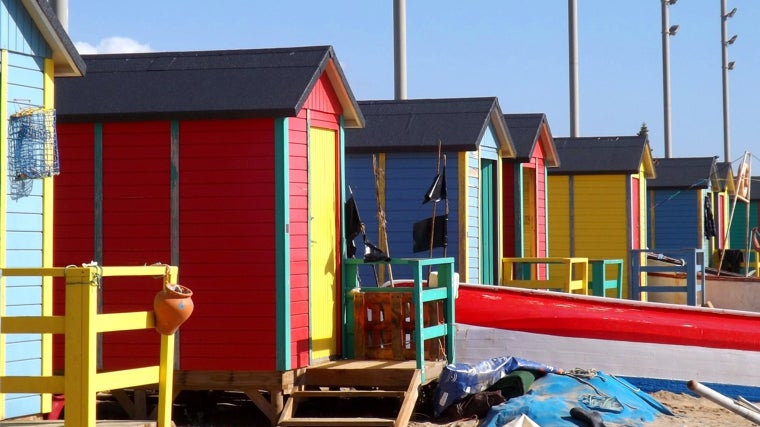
column 684, row 172
column 413, row 125
column 208, row 84
column 724, row 178
column 527, row 131
column 604, row 155
column 67, row 61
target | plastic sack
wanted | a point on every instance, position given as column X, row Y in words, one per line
column 458, row 380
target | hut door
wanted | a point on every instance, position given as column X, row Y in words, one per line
column 530, row 236
column 488, row 262
column 323, row 247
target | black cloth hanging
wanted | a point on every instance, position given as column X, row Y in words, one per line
column 709, row 219
column 421, row 233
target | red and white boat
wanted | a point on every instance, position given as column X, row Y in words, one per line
column 655, row 341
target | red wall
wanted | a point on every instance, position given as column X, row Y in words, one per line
column 73, row 236
column 226, row 246
column 226, row 230
column 508, row 199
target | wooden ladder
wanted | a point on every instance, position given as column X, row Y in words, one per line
column 325, row 396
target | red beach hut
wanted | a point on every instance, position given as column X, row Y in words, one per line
column 227, row 164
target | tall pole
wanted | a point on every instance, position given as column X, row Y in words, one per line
column 61, row 8
column 666, row 74
column 399, row 44
column 724, row 50
column 572, row 15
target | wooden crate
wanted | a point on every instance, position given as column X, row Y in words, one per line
column 384, row 324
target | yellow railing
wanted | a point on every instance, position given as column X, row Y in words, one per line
column 80, row 325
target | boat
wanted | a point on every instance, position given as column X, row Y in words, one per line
column 657, row 346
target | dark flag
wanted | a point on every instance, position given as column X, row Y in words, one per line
column 437, row 190
column 421, row 233
column 373, row 254
column 354, row 225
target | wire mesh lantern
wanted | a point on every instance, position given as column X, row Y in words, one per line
column 32, row 149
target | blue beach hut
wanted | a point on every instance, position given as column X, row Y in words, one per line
column 404, row 137
column 34, row 50
column 682, row 204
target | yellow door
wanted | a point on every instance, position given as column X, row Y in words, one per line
column 323, row 251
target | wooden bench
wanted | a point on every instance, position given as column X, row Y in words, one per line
column 568, row 274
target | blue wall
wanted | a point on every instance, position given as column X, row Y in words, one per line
column 674, row 222
column 407, row 178
column 25, row 87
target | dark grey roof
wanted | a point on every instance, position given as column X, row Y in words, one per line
column 600, row 155
column 66, row 58
column 419, row 124
column 683, row 172
column 525, row 130
column 222, row 84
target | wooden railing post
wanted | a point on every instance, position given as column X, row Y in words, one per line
column 80, row 346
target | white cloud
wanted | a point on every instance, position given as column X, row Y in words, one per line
column 113, row 45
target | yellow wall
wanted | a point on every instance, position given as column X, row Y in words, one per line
column 558, row 207
column 596, row 226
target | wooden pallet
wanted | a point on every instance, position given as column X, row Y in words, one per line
column 335, row 394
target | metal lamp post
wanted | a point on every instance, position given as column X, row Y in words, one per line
column 727, row 66
column 667, row 31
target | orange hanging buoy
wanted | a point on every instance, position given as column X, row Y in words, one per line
column 172, row 306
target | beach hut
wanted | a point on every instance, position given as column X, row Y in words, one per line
column 597, row 198
column 683, row 200
column 725, row 203
column 746, row 217
column 405, row 137
column 34, row 50
column 525, row 214
column 229, row 165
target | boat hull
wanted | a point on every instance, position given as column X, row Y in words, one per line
column 626, row 338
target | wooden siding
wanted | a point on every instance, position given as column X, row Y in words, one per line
column 24, row 87
column 360, row 177
column 298, row 204
column 407, row 177
column 589, row 215
column 227, row 234
column 542, row 245
column 472, row 229
column 740, row 227
column 136, row 229
column 489, row 148
column 560, row 216
column 511, row 203
column 20, row 34
column 677, row 218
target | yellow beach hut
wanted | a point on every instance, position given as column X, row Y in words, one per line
column 597, row 198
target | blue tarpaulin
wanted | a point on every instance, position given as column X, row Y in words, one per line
column 552, row 396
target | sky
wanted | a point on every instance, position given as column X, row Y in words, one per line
column 516, row 50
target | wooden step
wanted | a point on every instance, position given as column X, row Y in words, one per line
column 348, row 386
